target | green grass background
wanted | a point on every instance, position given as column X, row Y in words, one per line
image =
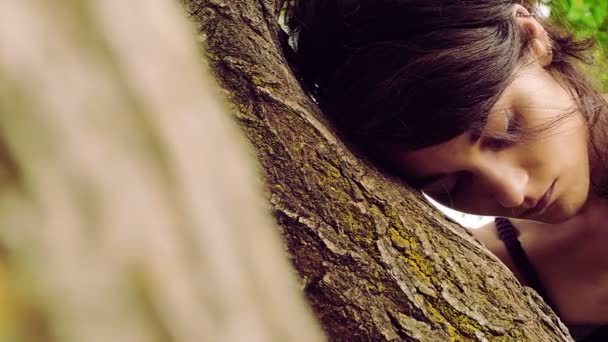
column 588, row 18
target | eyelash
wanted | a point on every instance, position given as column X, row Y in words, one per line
column 498, row 144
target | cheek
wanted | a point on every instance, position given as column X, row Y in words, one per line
column 477, row 205
column 470, row 201
column 560, row 151
column 572, row 153
column 567, row 159
column 445, row 200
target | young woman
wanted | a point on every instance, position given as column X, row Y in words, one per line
column 481, row 105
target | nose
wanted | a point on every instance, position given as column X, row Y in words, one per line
column 506, row 183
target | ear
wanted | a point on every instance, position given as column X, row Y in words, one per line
column 539, row 42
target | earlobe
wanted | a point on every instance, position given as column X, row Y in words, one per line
column 541, row 51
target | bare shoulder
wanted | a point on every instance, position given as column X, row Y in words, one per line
column 488, row 236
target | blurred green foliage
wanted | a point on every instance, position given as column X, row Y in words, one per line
column 588, row 18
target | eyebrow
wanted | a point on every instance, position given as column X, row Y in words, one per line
column 478, row 130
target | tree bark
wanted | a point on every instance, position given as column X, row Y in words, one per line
column 129, row 209
column 377, row 262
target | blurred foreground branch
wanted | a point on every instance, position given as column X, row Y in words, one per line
column 129, row 208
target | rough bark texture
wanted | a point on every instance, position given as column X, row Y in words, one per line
column 129, row 209
column 377, row 262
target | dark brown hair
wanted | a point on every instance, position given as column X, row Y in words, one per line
column 414, row 73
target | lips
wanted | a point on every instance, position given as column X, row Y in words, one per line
column 542, row 203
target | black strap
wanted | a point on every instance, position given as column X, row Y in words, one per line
column 508, row 233
column 509, row 236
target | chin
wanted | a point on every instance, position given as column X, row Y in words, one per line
column 560, row 212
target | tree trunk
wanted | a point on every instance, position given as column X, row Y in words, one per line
column 129, row 209
column 376, row 261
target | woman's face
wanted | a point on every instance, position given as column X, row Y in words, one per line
column 541, row 174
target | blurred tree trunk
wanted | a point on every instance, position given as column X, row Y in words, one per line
column 129, row 208
column 377, row 262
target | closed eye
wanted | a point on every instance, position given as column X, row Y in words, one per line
column 497, row 143
column 505, row 137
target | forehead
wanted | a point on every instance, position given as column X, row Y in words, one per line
column 529, row 84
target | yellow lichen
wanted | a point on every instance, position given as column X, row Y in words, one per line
column 398, row 240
